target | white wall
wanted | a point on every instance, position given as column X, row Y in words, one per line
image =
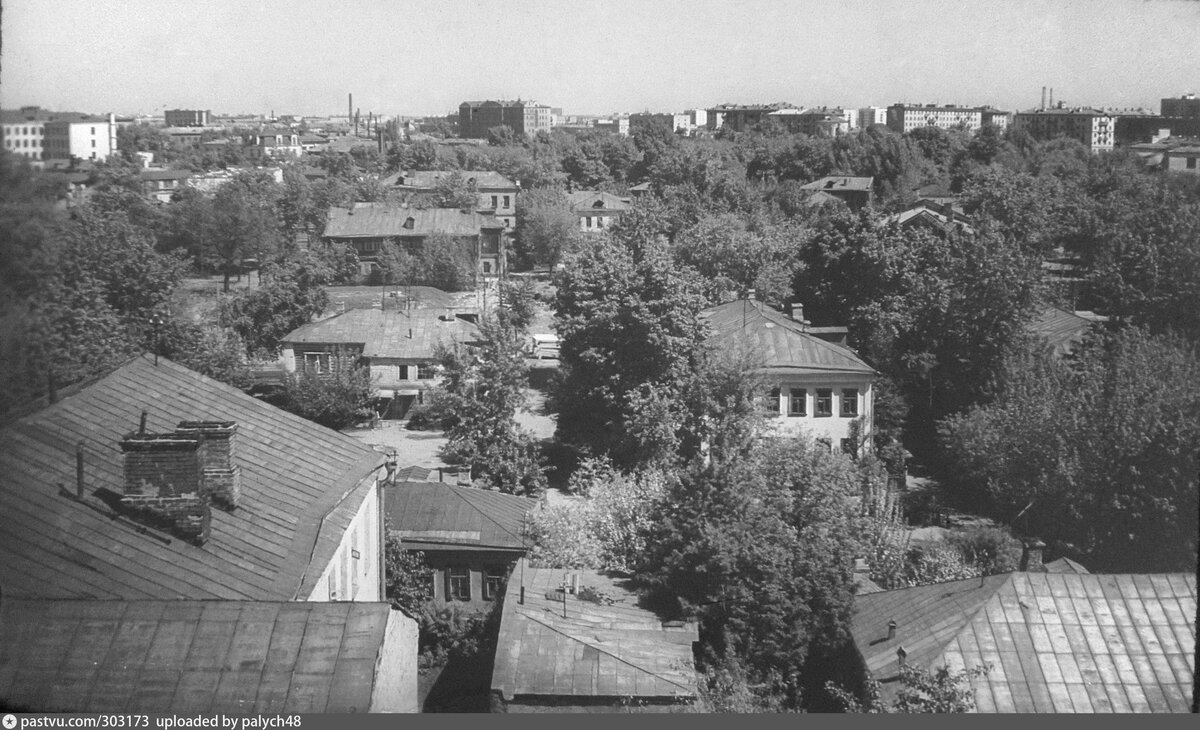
column 347, row 578
column 395, row 687
column 834, row 427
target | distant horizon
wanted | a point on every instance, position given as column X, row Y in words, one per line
column 425, row 57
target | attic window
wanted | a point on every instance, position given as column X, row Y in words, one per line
column 598, row 204
column 410, row 223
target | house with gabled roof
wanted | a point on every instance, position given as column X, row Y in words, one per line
column 497, row 193
column 186, row 656
column 1061, row 331
column 367, row 227
column 856, row 192
column 471, row 537
column 597, row 210
column 399, row 346
column 578, row 641
column 817, row 384
column 1052, row 642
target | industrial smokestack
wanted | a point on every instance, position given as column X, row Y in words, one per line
column 1043, row 107
column 1051, row 97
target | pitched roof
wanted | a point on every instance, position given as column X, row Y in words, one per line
column 301, row 484
column 411, row 334
column 780, row 341
column 159, row 174
column 182, row 657
column 586, row 202
column 1066, row 565
column 484, row 179
column 369, row 220
column 429, row 515
column 1062, row 330
column 1056, row 642
column 597, row 650
column 840, row 183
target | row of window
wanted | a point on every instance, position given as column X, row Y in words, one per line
column 458, row 583
column 599, row 221
column 496, row 201
column 25, row 130
column 20, row 143
column 822, row 402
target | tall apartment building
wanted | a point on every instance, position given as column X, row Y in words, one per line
column 1186, row 106
column 187, row 117
column 1094, row 128
column 24, row 133
column 869, row 115
column 84, row 138
column 475, row 118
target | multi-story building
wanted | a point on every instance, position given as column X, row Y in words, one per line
column 497, row 194
column 475, row 118
column 995, row 117
column 278, row 142
column 84, row 138
column 869, row 115
column 1186, row 106
column 907, row 117
column 597, row 210
column 617, row 124
column 187, row 117
column 741, row 117
column 1094, row 128
column 24, row 134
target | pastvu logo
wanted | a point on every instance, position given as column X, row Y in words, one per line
column 9, row 722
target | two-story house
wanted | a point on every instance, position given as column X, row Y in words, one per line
column 159, row 184
column 497, row 194
column 400, row 346
column 369, row 226
column 597, row 210
column 816, row 384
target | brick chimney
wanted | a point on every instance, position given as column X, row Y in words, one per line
column 1031, row 556
column 164, row 482
column 222, row 477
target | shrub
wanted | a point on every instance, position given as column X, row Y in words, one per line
column 990, row 549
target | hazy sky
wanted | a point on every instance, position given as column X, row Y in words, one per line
column 427, row 56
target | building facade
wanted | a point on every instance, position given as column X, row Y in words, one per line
column 597, row 210
column 904, row 118
column 187, row 117
column 869, row 115
column 85, row 138
column 1093, row 128
column 741, row 117
column 497, row 193
column 1186, row 106
column 475, row 118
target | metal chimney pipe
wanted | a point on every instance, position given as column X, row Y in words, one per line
column 891, row 629
column 79, row 470
column 142, row 423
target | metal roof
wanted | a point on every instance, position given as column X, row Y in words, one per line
column 584, row 202
column 778, row 341
column 429, row 179
column 301, row 484
column 597, row 650
column 838, row 183
column 188, row 657
column 411, row 334
column 366, row 220
column 1062, row 330
column 1056, row 642
column 437, row 514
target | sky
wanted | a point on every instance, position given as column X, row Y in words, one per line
column 417, row 57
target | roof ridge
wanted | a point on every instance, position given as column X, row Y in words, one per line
column 602, row 650
column 454, row 490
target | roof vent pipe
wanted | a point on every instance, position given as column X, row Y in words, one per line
column 79, row 470
column 891, row 629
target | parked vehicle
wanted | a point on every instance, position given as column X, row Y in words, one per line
column 543, row 347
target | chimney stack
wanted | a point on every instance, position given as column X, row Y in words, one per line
column 1043, row 107
column 1031, row 556
column 79, row 470
column 891, row 629
column 221, row 475
column 164, row 482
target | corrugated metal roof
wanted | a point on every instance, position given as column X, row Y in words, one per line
column 301, row 484
column 1066, row 565
column 585, row 202
column 448, row 514
column 429, row 179
column 184, row 657
column 368, row 220
column 597, row 650
column 386, row 333
column 778, row 340
column 1056, row 642
column 1062, row 330
column 838, row 183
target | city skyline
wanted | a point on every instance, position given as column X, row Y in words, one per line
column 426, row 57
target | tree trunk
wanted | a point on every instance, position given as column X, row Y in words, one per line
column 226, row 285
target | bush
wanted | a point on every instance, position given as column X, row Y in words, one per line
column 452, row 632
column 990, row 549
column 435, row 414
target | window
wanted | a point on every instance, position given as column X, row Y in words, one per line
column 494, row 578
column 93, row 131
column 589, row 221
column 424, row 372
column 507, row 200
column 824, row 403
column 771, row 402
column 1191, row 163
column 495, row 201
column 849, row 402
column 316, row 362
column 458, row 584
column 798, row 402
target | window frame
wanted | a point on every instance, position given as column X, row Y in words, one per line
column 771, row 402
column 823, row 397
column 801, row 398
column 458, row 578
column 321, row 360
column 849, row 398
column 494, row 579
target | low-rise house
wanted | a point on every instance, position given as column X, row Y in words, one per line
column 278, row 142
column 313, row 143
column 497, row 193
column 155, row 482
column 597, row 210
column 1183, row 158
column 399, row 346
column 369, row 226
column 159, row 185
column 936, row 217
column 471, row 537
column 818, row 385
column 856, row 192
column 577, row 641
column 1054, row 642
column 185, row 657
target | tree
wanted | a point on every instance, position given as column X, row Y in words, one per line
column 733, row 258
column 921, row 691
column 290, row 294
column 629, row 340
column 244, row 224
column 335, row 400
column 483, row 389
column 546, row 227
column 1098, row 455
column 408, row 578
